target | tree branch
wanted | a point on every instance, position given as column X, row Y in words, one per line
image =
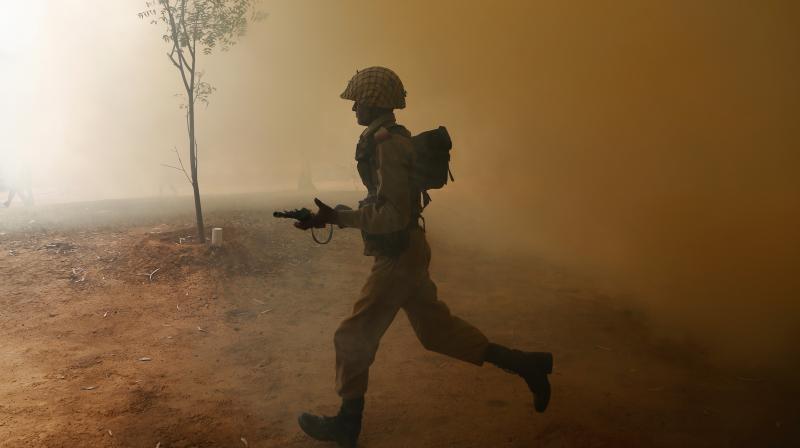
column 176, row 47
column 171, row 58
column 182, row 168
column 182, row 25
column 190, row 42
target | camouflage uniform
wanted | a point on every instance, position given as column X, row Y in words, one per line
column 399, row 276
column 399, row 279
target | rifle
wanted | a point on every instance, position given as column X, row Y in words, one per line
column 300, row 214
column 304, row 214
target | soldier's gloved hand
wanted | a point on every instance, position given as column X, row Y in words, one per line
column 325, row 215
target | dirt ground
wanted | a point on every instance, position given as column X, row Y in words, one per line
column 224, row 348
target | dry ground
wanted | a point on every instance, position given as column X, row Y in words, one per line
column 223, row 348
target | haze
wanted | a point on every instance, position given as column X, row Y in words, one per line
column 651, row 146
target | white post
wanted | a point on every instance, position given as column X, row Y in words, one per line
column 216, row 236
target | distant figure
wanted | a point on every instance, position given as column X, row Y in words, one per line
column 18, row 185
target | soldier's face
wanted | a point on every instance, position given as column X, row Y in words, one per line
column 363, row 114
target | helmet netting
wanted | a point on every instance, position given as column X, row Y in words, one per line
column 376, row 87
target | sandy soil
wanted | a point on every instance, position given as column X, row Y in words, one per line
column 223, row 348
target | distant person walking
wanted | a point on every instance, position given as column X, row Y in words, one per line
column 18, row 183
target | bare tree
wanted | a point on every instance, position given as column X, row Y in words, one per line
column 195, row 27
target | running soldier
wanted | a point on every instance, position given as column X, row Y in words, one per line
column 388, row 219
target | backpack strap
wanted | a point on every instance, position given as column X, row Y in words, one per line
column 381, row 135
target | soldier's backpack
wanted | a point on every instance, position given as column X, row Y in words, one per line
column 432, row 168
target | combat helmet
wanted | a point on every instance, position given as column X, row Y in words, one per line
column 376, row 87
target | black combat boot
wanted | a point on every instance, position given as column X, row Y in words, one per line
column 343, row 428
column 533, row 367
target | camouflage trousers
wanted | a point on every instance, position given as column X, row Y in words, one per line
column 396, row 283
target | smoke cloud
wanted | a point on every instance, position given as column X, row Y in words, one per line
column 652, row 146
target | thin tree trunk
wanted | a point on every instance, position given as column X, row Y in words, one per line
column 201, row 234
column 183, row 66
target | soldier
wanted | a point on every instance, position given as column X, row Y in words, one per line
column 388, row 219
